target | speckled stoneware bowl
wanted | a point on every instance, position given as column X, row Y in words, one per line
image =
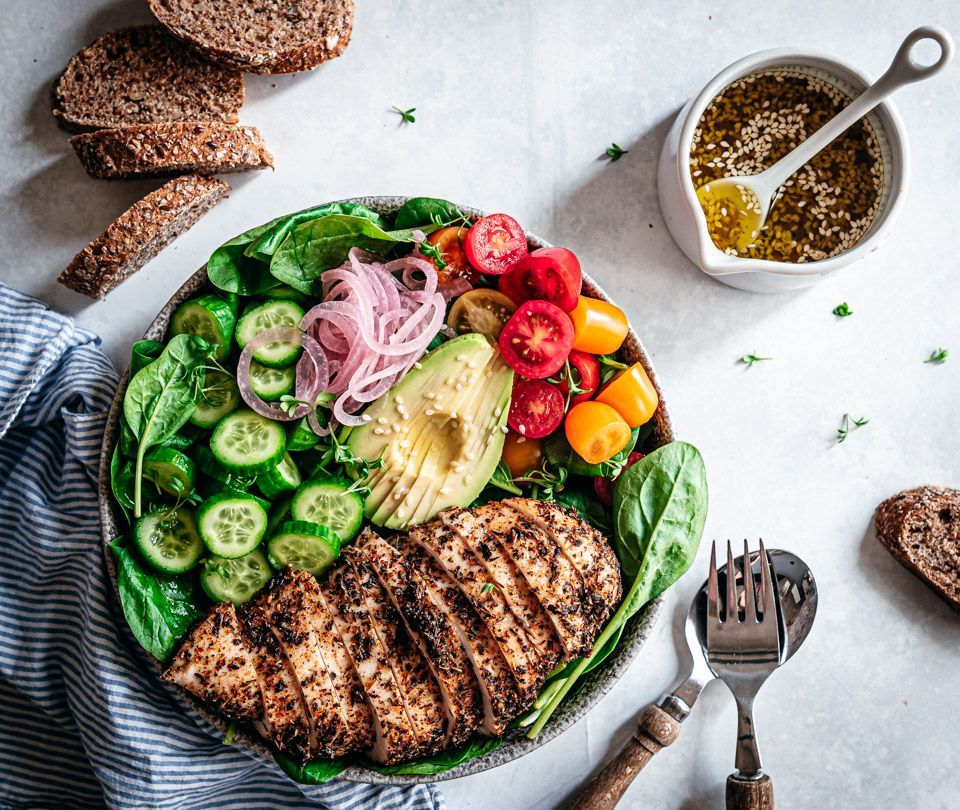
column 515, row 744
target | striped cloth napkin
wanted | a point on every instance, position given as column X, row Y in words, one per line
column 84, row 720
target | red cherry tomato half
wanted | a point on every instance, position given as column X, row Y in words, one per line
column 552, row 274
column 536, row 340
column 586, row 376
column 604, row 486
column 495, row 243
column 536, row 408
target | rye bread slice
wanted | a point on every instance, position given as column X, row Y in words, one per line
column 142, row 75
column 171, row 148
column 268, row 36
column 921, row 528
column 141, row 232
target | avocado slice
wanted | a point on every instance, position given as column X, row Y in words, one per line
column 439, row 431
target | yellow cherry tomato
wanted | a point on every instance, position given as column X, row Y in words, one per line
column 632, row 395
column 521, row 454
column 596, row 431
column 598, row 327
column 483, row 310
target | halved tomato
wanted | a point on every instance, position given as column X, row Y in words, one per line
column 586, row 376
column 483, row 311
column 536, row 340
column 536, row 408
column 449, row 241
column 521, row 454
column 495, row 243
column 596, row 431
column 552, row 274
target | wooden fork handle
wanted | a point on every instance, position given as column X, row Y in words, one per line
column 656, row 730
column 746, row 793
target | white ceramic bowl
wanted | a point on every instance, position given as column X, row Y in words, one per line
column 678, row 198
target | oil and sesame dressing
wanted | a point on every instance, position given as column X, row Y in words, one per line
column 826, row 207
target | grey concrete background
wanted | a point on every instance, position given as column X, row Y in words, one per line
column 516, row 102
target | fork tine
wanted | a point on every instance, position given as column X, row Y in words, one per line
column 749, row 591
column 732, row 607
column 768, row 592
column 713, row 588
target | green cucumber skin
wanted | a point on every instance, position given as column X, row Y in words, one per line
column 304, row 532
column 247, row 330
column 218, row 589
column 212, row 542
column 219, row 312
column 300, row 506
column 148, row 550
column 161, row 464
column 274, row 483
column 265, row 461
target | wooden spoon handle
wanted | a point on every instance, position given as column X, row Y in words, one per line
column 656, row 730
column 744, row 793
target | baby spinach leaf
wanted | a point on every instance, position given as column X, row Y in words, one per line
column 320, row 244
column 161, row 397
column 501, row 479
column 558, row 450
column 589, row 508
column 312, row 773
column 121, row 481
column 266, row 245
column 420, row 212
column 159, row 610
column 475, row 747
column 143, row 353
column 230, row 269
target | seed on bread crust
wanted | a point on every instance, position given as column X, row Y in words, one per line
column 142, row 75
column 171, row 148
column 921, row 528
column 264, row 37
column 141, row 232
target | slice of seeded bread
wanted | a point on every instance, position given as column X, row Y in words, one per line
column 268, row 36
column 171, row 148
column 142, row 75
column 141, row 232
column 921, row 528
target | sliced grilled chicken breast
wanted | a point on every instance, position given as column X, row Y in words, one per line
column 214, row 663
column 394, row 737
column 431, row 630
column 499, row 693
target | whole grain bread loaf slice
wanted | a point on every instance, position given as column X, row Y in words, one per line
column 171, row 148
column 268, row 36
column 142, row 75
column 921, row 528
column 141, row 232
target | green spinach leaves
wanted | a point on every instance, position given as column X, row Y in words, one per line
column 423, row 212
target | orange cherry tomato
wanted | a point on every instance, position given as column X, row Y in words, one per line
column 521, row 454
column 598, row 327
column 596, row 431
column 632, row 395
column 450, row 243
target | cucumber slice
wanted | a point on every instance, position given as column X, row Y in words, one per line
column 214, row 477
column 220, row 397
column 231, row 524
column 279, row 513
column 209, row 317
column 300, row 436
column 329, row 502
column 169, row 541
column 235, row 580
column 287, row 292
column 303, row 545
column 246, row 442
column 285, row 477
column 172, row 471
column 272, row 383
column 270, row 315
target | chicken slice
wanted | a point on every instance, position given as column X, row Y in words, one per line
column 289, row 607
column 481, row 529
column 284, row 714
column 394, row 737
column 214, row 663
column 431, row 630
column 468, row 571
column 583, row 545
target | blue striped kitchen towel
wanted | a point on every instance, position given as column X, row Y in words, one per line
column 84, row 720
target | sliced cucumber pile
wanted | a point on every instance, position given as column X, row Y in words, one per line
column 246, row 442
column 169, row 541
column 329, row 501
column 305, row 546
column 235, row 580
column 272, row 383
column 231, row 524
column 209, row 317
column 173, row 472
column 271, row 315
column 220, row 397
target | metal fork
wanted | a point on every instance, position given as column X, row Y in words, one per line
column 743, row 652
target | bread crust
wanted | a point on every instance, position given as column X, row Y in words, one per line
column 141, row 232
column 156, row 150
column 141, row 75
column 329, row 43
column 921, row 529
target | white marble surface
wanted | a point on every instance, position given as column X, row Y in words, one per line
column 515, row 102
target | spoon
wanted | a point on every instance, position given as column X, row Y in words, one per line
column 660, row 723
column 745, row 201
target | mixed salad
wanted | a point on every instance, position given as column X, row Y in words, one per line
column 344, row 366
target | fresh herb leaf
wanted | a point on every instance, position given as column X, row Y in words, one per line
column 842, row 310
column 487, row 587
column 573, row 379
column 231, row 733
column 334, row 453
column 939, row 356
column 844, row 430
column 289, row 403
column 546, row 481
column 751, row 359
column 406, row 115
column 433, row 253
column 615, row 152
column 502, row 479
